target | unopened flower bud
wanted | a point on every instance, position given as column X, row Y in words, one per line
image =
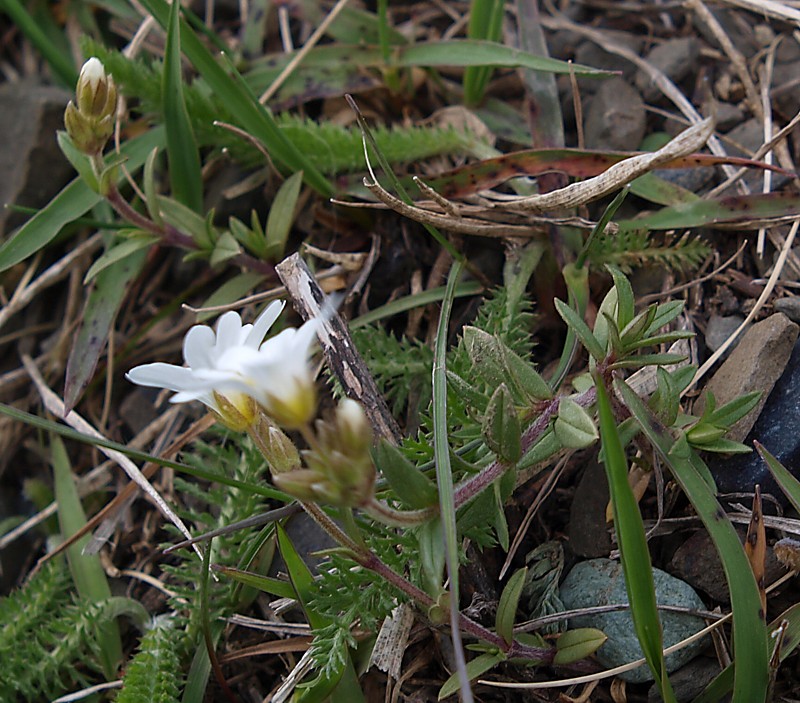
column 280, row 452
column 355, row 433
column 236, row 410
column 295, row 408
column 91, row 123
column 303, row 484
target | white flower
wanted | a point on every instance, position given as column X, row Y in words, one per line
column 232, row 370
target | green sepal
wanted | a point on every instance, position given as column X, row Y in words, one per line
column 80, row 161
column 430, row 538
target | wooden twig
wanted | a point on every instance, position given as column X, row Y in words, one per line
column 337, row 346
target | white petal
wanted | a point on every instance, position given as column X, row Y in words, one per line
column 160, row 375
column 262, row 325
column 228, row 331
column 306, row 336
column 198, row 345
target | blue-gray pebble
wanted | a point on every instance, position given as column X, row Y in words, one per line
column 601, row 582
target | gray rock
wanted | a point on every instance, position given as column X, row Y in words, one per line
column 789, row 306
column 588, row 530
column 675, row 58
column 689, row 681
column 601, row 582
column 755, row 365
column 590, row 54
column 777, row 429
column 616, row 117
column 32, row 167
column 744, row 140
column 786, row 95
column 720, row 328
column 728, row 116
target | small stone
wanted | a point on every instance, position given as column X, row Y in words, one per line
column 601, row 582
column 675, row 58
column 689, row 681
column 755, row 365
column 745, row 139
column 588, row 530
column 616, row 117
column 719, row 329
column 32, row 167
column 789, row 306
column 776, row 429
column 697, row 562
column 784, row 81
column 728, row 116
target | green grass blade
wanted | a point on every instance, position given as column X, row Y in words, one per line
column 749, row 631
column 69, row 433
column 485, row 22
column 72, row 202
column 250, row 115
column 632, row 541
column 784, row 478
column 87, row 572
column 60, row 62
column 444, row 474
column 184, row 160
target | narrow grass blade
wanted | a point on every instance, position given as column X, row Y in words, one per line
column 58, row 60
column 87, row 572
column 749, row 631
column 444, row 474
column 281, row 216
column 785, row 479
column 485, row 22
column 73, row 201
column 250, row 115
column 267, row 584
column 184, row 160
column 632, row 541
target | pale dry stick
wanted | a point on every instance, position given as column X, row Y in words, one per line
column 660, row 79
column 766, row 113
column 55, row 405
column 271, row 294
column 285, row 30
column 763, row 149
column 768, row 8
column 302, row 53
column 617, row 175
column 88, row 692
column 762, row 299
column 90, row 481
column 25, row 292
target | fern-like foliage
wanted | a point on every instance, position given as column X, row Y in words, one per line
column 350, row 596
column 48, row 639
column 635, row 248
column 397, row 364
column 153, row 675
column 331, row 148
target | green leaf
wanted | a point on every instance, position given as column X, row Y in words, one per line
column 634, row 552
column 186, row 220
column 574, row 645
column 150, row 190
column 479, row 665
column 184, row 159
column 74, row 200
column 431, row 555
column 722, row 446
column 735, row 410
column 750, row 637
column 226, row 247
column 524, row 377
column 80, row 162
column 665, row 314
column 254, row 118
column 501, row 428
column 267, row 584
column 133, row 241
column 509, row 602
column 574, row 427
column 99, row 313
column 410, row 485
column 281, row 215
column 784, row 478
column 581, row 329
column 233, row 289
column 87, row 572
column 485, row 354
column 625, row 297
column 546, row 447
